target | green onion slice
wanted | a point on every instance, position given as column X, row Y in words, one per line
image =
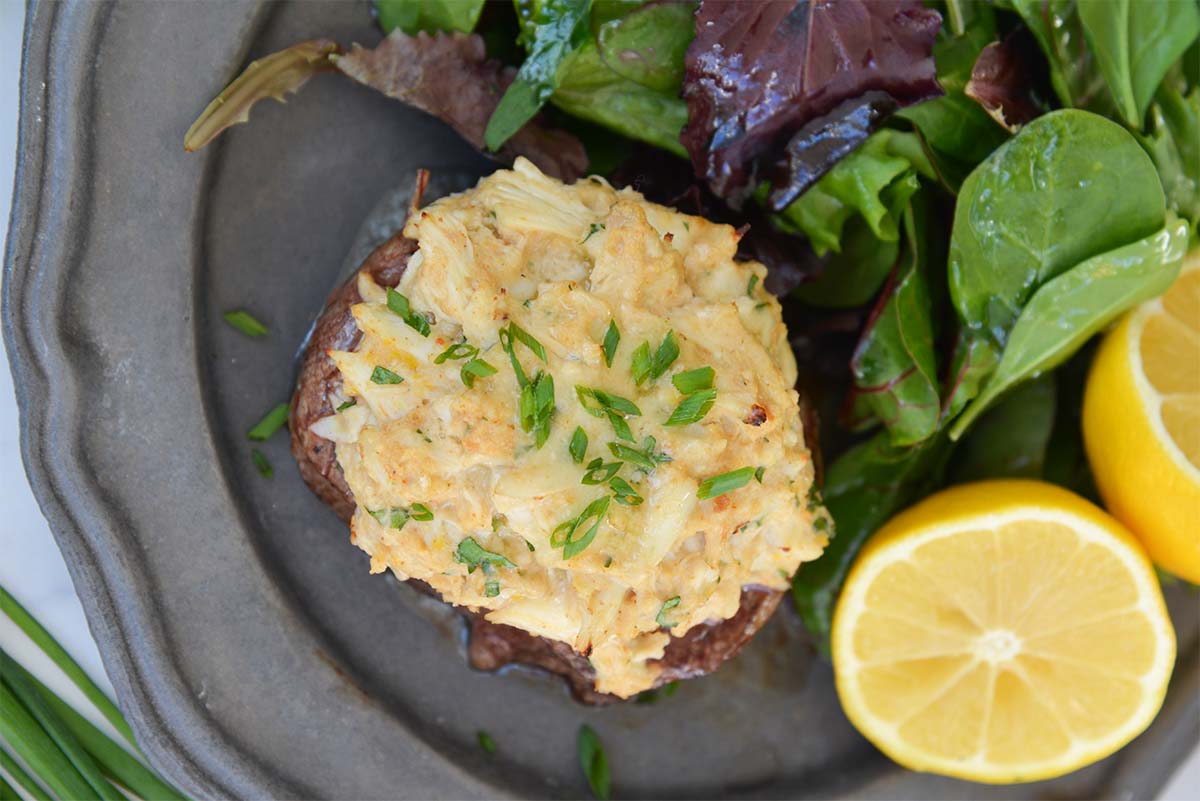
column 459, row 350
column 472, row 554
column 691, row 381
column 272, row 422
column 383, row 376
column 579, row 444
column 594, row 763
column 600, row 471
column 245, row 322
column 753, row 282
column 344, row 406
column 564, row 535
column 475, row 368
column 623, row 493
column 612, row 337
column 420, row 512
column 261, row 462
column 693, row 408
column 390, row 517
column 403, row 309
column 726, row 482
column 661, row 617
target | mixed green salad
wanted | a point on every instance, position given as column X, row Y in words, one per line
column 952, row 198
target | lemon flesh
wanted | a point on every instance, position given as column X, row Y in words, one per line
column 1141, row 423
column 1002, row 632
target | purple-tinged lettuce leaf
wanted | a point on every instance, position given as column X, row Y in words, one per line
column 785, row 89
column 450, row 77
column 1005, row 80
column 271, row 76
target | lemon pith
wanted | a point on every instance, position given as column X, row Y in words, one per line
column 1141, row 423
column 1001, row 632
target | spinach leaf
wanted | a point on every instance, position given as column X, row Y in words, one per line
column 865, row 486
column 412, row 16
column 1059, row 31
column 852, row 277
column 1135, row 43
column 559, row 28
column 1066, row 311
column 894, row 365
column 1069, row 186
column 1010, row 440
column 956, row 129
column 647, row 45
column 874, row 182
column 1173, row 142
column 588, row 89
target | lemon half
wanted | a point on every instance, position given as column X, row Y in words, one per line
column 1002, row 632
column 1141, row 423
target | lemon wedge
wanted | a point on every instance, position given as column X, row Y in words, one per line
column 1141, row 423
column 1003, row 631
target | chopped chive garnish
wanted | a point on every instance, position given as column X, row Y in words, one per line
column 821, row 525
column 485, row 740
column 600, row 471
column 344, row 406
column 491, row 589
column 594, row 763
column 529, row 545
column 537, row 407
column 420, row 513
column 692, row 408
column 272, row 422
column 598, row 403
column 245, row 322
column 424, row 436
column 726, row 482
column 592, row 229
column 647, row 366
column 645, row 457
column 390, row 517
column 403, row 309
column 382, row 375
column 459, row 350
column 612, row 337
column 691, row 381
column 753, row 282
column 758, row 474
column 579, row 443
column 527, row 339
column 475, row 368
column 620, row 427
column 623, row 493
column 661, row 618
column 641, row 363
column 260, row 461
column 472, row 554
column 564, row 535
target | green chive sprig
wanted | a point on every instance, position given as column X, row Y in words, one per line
column 400, row 306
column 272, row 422
column 594, row 763
column 661, row 617
column 726, row 482
column 245, row 322
column 383, row 376
column 612, row 338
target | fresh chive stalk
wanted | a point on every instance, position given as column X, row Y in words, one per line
column 272, row 422
column 594, row 763
column 26, row 782
column 693, row 408
column 113, row 760
column 612, row 337
column 661, row 617
column 51, row 647
column 245, row 322
column 696, row 380
column 19, row 729
column 28, row 696
column 579, row 444
column 726, row 482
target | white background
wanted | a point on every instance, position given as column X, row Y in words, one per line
column 31, row 567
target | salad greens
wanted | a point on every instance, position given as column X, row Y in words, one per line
column 968, row 190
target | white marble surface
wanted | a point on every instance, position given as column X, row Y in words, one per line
column 31, row 566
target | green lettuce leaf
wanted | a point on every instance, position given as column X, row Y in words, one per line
column 413, row 16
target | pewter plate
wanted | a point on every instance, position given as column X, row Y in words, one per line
column 252, row 651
